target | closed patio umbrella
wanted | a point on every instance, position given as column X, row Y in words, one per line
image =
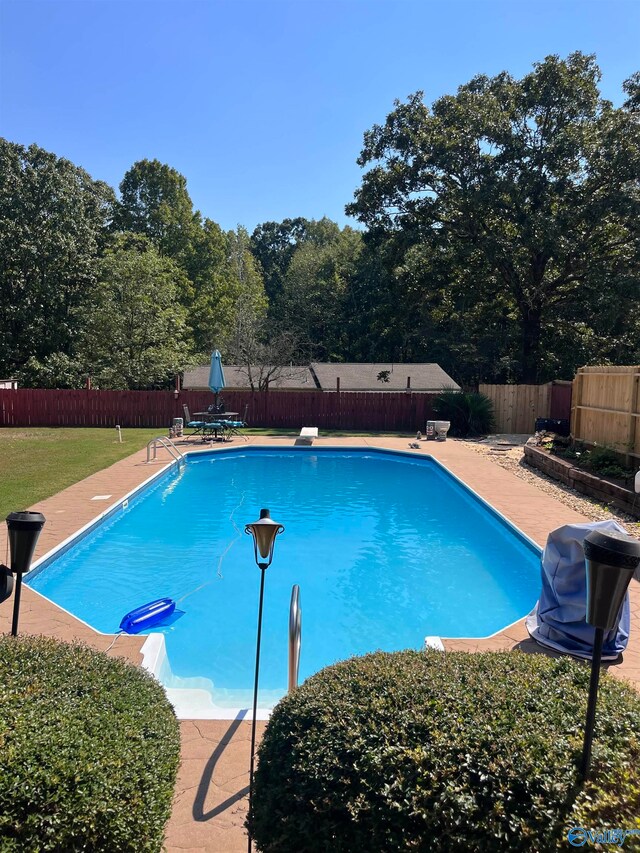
column 216, row 374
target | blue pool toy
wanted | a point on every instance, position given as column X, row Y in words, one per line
column 147, row 615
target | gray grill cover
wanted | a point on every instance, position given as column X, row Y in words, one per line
column 559, row 618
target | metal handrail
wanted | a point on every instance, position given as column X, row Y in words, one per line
column 295, row 637
column 165, row 442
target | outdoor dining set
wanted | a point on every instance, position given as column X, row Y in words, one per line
column 215, row 424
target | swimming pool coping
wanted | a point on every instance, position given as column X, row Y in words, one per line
column 123, row 502
column 82, row 532
column 189, row 703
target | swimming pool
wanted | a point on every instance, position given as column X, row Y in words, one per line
column 387, row 548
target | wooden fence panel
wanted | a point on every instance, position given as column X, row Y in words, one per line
column 560, row 403
column 384, row 411
column 517, row 406
column 606, row 407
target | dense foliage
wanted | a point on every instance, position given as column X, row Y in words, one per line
column 469, row 413
column 502, row 241
column 444, row 752
column 602, row 461
column 90, row 749
column 53, row 220
column 509, row 217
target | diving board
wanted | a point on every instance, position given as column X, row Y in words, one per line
column 307, row 435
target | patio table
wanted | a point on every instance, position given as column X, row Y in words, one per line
column 215, row 417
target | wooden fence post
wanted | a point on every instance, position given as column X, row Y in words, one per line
column 633, row 409
column 576, row 403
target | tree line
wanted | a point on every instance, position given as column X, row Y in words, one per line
column 500, row 238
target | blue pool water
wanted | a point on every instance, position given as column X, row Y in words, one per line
column 386, row 548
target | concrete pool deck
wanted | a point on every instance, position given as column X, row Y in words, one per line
column 210, row 801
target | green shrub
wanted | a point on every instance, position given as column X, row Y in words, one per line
column 568, row 453
column 470, row 413
column 432, row 751
column 604, row 461
column 89, row 750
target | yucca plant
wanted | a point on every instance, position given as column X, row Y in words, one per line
column 470, row 413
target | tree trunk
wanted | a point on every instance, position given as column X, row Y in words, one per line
column 531, row 329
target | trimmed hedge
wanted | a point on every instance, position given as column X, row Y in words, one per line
column 432, row 751
column 89, row 750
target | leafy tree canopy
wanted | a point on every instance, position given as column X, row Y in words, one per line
column 155, row 202
column 273, row 245
column 315, row 300
column 501, row 239
column 136, row 334
column 52, row 225
column 518, row 193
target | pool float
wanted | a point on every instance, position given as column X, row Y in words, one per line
column 147, row 615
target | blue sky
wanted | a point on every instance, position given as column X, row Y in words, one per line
column 263, row 105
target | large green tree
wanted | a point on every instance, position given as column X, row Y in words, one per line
column 314, row 303
column 52, row 224
column 273, row 245
column 155, row 202
column 215, row 288
column 510, row 206
column 136, row 333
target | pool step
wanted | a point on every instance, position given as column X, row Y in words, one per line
column 193, row 698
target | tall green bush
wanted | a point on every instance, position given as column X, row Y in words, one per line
column 432, row 751
column 89, row 751
column 470, row 413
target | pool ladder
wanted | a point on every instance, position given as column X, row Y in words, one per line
column 165, row 442
column 295, row 637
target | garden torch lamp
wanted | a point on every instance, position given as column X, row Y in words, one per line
column 264, row 532
column 611, row 559
column 24, row 530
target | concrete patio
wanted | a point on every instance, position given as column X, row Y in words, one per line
column 210, row 799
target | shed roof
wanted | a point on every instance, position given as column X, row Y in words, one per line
column 380, row 376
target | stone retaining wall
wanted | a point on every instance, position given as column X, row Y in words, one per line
column 581, row 481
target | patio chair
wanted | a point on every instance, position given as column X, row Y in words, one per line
column 234, row 427
column 213, row 425
column 198, row 427
column 212, row 428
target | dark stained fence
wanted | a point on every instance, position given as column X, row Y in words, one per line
column 383, row 411
column 560, row 405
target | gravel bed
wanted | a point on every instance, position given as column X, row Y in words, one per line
column 512, row 459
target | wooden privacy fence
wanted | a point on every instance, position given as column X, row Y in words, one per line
column 402, row 411
column 606, row 407
column 517, row 406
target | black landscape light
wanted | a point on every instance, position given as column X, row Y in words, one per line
column 611, row 560
column 24, row 530
column 264, row 532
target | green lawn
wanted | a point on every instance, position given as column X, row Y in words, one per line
column 37, row 463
